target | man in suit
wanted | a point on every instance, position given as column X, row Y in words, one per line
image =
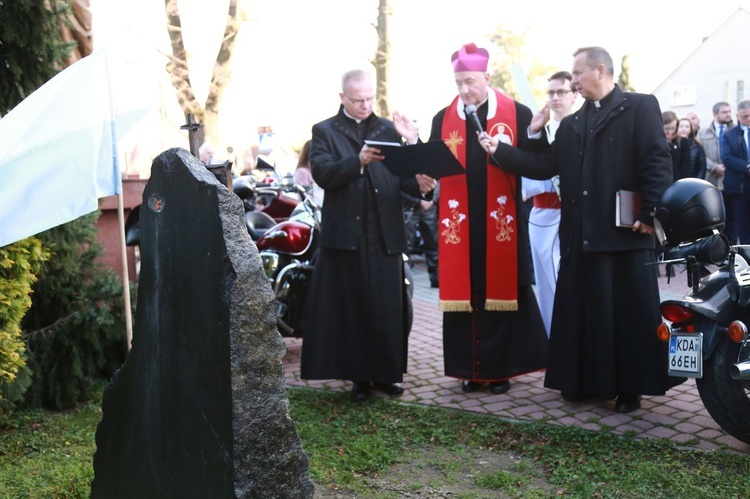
column 355, row 327
column 711, row 138
column 734, row 155
column 602, row 342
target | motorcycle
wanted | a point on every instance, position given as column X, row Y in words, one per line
column 266, row 202
column 706, row 330
column 288, row 251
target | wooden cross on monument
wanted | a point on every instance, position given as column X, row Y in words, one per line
column 192, row 127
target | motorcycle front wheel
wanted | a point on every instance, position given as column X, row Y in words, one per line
column 727, row 400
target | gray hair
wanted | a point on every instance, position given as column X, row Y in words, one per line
column 205, row 147
column 743, row 105
column 355, row 75
column 596, row 56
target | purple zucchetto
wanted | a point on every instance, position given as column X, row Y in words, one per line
column 470, row 58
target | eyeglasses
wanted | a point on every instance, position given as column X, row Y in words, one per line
column 670, row 128
column 360, row 101
column 560, row 93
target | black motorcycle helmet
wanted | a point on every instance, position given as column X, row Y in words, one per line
column 244, row 186
column 689, row 209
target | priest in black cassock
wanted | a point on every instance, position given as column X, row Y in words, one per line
column 355, row 328
column 603, row 340
column 492, row 327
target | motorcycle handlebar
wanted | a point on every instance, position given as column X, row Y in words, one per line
column 712, row 249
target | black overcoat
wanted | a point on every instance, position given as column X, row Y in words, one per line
column 486, row 345
column 603, row 341
column 354, row 325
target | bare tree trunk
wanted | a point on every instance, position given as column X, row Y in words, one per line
column 220, row 74
column 77, row 28
column 180, row 73
column 382, row 57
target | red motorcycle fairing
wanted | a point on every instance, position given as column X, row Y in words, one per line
column 280, row 208
column 290, row 237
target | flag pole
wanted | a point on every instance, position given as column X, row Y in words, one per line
column 125, row 276
column 120, row 206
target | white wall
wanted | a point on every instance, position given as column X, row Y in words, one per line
column 711, row 73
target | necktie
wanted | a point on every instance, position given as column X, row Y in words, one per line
column 721, row 134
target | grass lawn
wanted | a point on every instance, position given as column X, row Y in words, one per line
column 385, row 448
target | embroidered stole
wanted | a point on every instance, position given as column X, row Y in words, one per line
column 501, row 245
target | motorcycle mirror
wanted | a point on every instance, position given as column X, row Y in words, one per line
column 712, row 249
column 265, row 163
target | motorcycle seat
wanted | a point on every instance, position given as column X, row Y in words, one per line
column 258, row 223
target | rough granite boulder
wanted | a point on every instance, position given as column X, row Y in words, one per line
column 199, row 407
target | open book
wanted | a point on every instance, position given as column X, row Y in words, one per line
column 379, row 143
column 431, row 158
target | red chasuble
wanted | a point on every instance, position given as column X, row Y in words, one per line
column 502, row 247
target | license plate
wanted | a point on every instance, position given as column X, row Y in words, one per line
column 686, row 355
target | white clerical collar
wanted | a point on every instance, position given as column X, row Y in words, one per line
column 597, row 104
column 491, row 105
column 352, row 117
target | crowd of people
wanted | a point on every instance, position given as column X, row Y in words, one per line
column 475, row 234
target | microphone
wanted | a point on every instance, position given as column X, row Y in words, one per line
column 471, row 110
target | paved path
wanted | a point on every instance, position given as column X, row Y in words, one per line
column 679, row 415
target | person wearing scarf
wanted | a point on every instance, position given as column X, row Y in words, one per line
column 492, row 327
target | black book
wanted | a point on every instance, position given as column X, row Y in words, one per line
column 430, row 158
column 627, row 208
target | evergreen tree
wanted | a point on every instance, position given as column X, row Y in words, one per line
column 31, row 49
column 31, row 52
column 19, row 264
column 75, row 329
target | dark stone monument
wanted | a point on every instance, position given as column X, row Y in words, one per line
column 199, row 407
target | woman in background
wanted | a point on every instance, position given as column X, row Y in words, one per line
column 679, row 147
column 303, row 174
column 697, row 154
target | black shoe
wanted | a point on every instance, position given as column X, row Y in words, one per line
column 470, row 386
column 574, row 398
column 389, row 388
column 360, row 391
column 433, row 272
column 627, row 403
column 499, row 387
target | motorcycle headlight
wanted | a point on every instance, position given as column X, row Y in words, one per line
column 270, row 263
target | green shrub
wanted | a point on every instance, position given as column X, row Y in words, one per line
column 75, row 329
column 19, row 264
